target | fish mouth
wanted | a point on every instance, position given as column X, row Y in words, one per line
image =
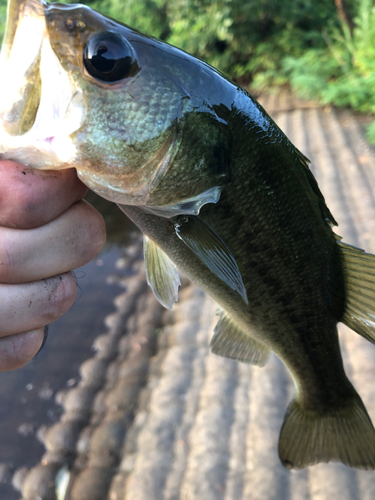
column 40, row 106
column 19, row 61
column 43, row 111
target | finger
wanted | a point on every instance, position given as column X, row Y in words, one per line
column 17, row 350
column 31, row 198
column 67, row 242
column 29, row 306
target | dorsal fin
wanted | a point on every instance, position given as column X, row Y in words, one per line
column 232, row 342
column 359, row 275
column 211, row 250
column 161, row 273
column 326, row 213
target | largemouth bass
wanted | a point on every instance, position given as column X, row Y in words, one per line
column 218, row 191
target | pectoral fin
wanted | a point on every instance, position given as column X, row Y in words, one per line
column 232, row 342
column 161, row 274
column 212, row 251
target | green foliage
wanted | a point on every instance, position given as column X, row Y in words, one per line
column 343, row 73
column 3, row 12
column 147, row 16
column 242, row 38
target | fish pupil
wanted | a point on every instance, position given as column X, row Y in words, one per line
column 109, row 58
column 103, row 60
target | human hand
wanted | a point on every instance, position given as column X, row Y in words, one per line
column 46, row 230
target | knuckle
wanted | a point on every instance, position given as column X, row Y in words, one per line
column 7, row 260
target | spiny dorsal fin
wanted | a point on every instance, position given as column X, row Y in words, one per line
column 232, row 342
column 326, row 213
column 359, row 274
column 211, row 250
column 161, row 273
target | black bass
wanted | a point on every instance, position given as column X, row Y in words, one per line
column 218, row 191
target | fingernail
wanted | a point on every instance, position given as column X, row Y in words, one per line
column 45, row 335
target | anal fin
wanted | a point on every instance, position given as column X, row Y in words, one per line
column 161, row 273
column 232, row 342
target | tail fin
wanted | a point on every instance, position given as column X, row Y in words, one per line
column 359, row 271
column 342, row 435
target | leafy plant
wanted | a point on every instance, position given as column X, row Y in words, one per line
column 3, row 11
column 242, row 38
column 343, row 73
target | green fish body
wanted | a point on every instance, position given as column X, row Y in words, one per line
column 218, row 191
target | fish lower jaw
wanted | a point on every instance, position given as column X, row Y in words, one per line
column 118, row 192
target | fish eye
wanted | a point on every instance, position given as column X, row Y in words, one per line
column 109, row 58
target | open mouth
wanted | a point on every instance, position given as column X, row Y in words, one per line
column 19, row 60
column 40, row 106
